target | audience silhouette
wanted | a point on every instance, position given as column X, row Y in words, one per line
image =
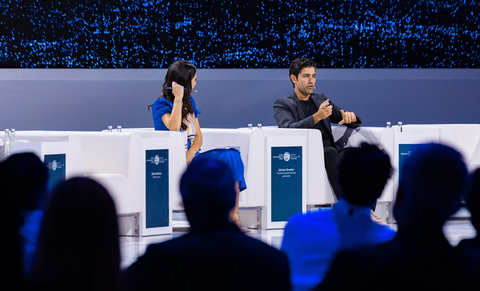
column 12, row 262
column 470, row 248
column 311, row 240
column 419, row 257
column 24, row 180
column 215, row 254
column 78, row 246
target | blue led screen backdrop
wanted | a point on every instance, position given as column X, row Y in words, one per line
column 235, row 34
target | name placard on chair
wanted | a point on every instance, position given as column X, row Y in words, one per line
column 56, row 169
column 156, row 188
column 286, row 185
column 286, row 179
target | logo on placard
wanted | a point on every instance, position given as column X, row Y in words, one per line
column 54, row 165
column 156, row 160
column 286, row 156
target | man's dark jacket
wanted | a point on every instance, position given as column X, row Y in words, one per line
column 222, row 258
column 288, row 112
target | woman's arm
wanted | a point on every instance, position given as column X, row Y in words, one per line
column 173, row 120
column 197, row 143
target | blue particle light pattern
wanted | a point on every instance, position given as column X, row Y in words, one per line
column 239, row 34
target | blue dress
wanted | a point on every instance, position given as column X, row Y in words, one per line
column 229, row 156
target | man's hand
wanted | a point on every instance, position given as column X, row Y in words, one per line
column 348, row 117
column 324, row 111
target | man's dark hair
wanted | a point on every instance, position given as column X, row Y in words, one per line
column 297, row 66
column 363, row 173
column 208, row 185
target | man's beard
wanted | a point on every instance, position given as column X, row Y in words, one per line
column 305, row 91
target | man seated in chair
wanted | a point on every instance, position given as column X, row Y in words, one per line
column 215, row 254
column 305, row 109
column 311, row 240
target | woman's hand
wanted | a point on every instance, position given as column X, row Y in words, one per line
column 197, row 143
column 189, row 155
column 177, row 91
column 173, row 120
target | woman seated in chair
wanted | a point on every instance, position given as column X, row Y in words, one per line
column 175, row 110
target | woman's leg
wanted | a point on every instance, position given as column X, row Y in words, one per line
column 234, row 214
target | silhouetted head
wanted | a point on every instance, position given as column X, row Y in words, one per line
column 431, row 183
column 297, row 65
column 12, row 262
column 25, row 177
column 208, row 191
column 362, row 174
column 472, row 198
column 78, row 246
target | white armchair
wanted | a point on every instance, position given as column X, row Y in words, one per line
column 118, row 161
column 253, row 144
column 463, row 137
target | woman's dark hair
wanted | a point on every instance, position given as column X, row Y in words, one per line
column 78, row 247
column 181, row 72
